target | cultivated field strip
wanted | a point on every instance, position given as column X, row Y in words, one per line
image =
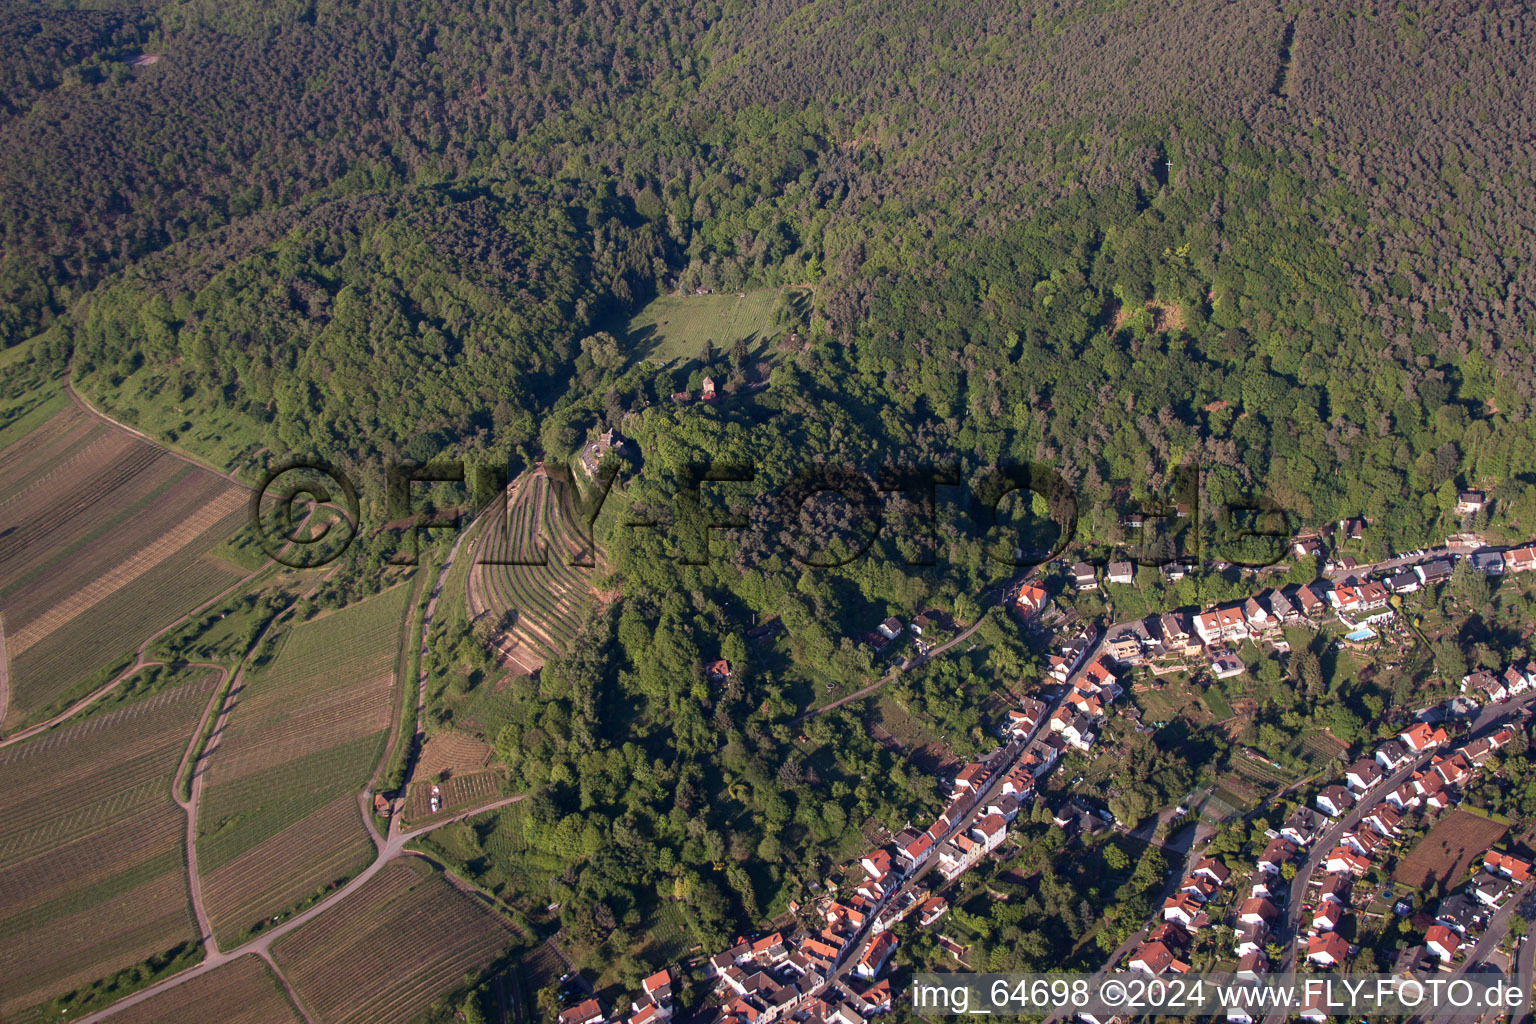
column 242, row 992
column 104, row 538
column 130, row 569
column 71, row 950
column 403, row 940
column 243, row 889
column 52, row 875
column 98, row 536
column 70, row 789
column 328, row 723
column 116, row 626
column 545, row 601
column 66, row 735
column 52, row 520
column 92, row 866
column 57, row 441
column 90, row 444
column 278, row 815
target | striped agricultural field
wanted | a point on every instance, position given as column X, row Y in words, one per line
column 103, row 539
column 92, row 866
column 278, row 818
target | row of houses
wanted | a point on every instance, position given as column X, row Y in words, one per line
column 1490, row 687
column 1432, row 787
column 1466, row 912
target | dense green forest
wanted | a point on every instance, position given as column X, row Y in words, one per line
column 1291, row 246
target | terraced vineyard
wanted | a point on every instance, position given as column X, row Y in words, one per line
column 103, row 538
column 279, row 817
column 242, row 992
column 540, row 606
column 92, row 870
column 401, row 941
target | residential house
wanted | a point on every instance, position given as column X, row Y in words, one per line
column 1520, row 559
column 1281, row 607
column 1392, row 755
column 891, row 628
column 1019, row 783
column 1276, row 855
column 650, row 1013
column 990, row 831
column 1373, row 596
column 1175, row 629
column 1327, row 950
column 1335, row 889
column 1327, row 916
column 1032, row 598
column 1508, row 865
column 1362, row 775
column 875, row 955
column 1257, row 910
column 1200, row 887
column 1121, row 572
column 873, row 999
column 1484, row 684
column 1249, row 938
column 1383, row 819
column 1210, row 867
column 1434, row 572
column 1183, row 908
column 1404, row 797
column 1303, row 825
column 958, row 854
column 1308, row 602
column 915, row 850
column 589, row 1011
column 1258, row 618
column 1344, row 598
column 1253, row 966
column 1126, row 647
column 1005, row 806
column 933, row 908
column 1489, row 889
column 1098, row 677
column 1405, row 582
column 1334, row 800
column 1412, row 961
column 972, row 778
column 1489, row 563
column 1422, row 737
column 1364, row 841
column 1155, row 958
column 1516, row 681
column 1307, row 547
column 1470, row 502
column 1343, row 859
column 1085, row 577
column 1075, row 727
column 658, row 987
column 1460, row 913
column 1441, row 942
column 1225, row 666
column 876, row 864
column 1455, row 769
